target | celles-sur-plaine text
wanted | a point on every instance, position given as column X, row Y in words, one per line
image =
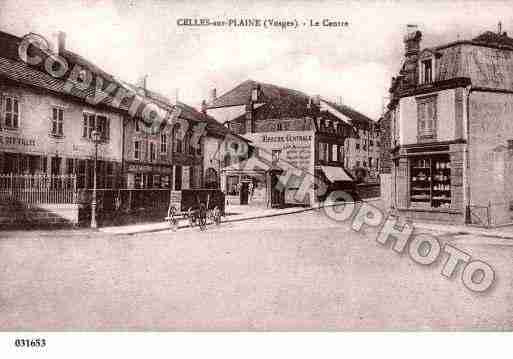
column 267, row 23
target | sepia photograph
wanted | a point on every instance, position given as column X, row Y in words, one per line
column 255, row 166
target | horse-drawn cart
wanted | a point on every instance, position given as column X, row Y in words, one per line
column 197, row 205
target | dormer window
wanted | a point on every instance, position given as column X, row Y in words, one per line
column 427, row 66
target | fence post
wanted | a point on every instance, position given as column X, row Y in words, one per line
column 488, row 215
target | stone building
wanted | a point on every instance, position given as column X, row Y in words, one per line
column 46, row 129
column 285, row 127
column 451, row 133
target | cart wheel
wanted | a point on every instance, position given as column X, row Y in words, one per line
column 173, row 221
column 192, row 218
column 174, row 224
column 216, row 216
column 202, row 223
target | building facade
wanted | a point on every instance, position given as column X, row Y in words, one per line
column 450, row 131
column 46, row 130
column 287, row 129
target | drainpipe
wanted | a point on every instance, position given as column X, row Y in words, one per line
column 468, row 219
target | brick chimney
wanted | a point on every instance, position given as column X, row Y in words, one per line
column 61, row 42
column 213, row 95
column 411, row 54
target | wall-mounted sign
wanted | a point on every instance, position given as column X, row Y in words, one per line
column 294, row 147
column 139, row 167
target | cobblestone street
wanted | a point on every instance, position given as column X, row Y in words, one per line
column 294, row 272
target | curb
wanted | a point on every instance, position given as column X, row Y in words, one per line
column 228, row 220
column 465, row 231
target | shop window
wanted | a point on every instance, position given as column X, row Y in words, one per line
column 430, row 182
column 11, row 112
column 232, row 185
column 156, row 181
column 178, row 178
column 57, row 121
column 138, row 181
column 426, row 114
column 137, row 150
column 110, row 176
column 322, row 153
column 164, row 182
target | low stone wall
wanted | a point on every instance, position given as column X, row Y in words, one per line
column 22, row 215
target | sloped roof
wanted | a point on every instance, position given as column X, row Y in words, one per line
column 492, row 38
column 187, row 112
column 241, row 94
column 354, row 115
column 13, row 68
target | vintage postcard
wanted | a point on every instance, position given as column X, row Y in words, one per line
column 255, row 166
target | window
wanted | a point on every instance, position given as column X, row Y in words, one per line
column 357, row 163
column 156, row 181
column 109, row 169
column 334, row 153
column 137, row 150
column 177, row 139
column 275, row 155
column 57, row 121
column 364, row 164
column 341, row 153
column 357, row 145
column 11, row 112
column 427, row 71
column 371, row 143
column 93, row 122
column 137, row 126
column 153, row 150
column 426, row 108
column 163, row 143
column 80, row 171
column 279, row 126
column 430, row 182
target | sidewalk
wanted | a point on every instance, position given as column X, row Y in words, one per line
column 235, row 213
column 504, row 232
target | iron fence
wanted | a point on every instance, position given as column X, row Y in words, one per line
column 38, row 188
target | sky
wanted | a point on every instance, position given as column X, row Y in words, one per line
column 355, row 63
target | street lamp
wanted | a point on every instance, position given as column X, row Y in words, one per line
column 95, row 135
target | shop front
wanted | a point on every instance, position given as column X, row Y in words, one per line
column 429, row 182
column 146, row 176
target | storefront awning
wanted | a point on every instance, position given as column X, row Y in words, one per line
column 336, row 173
